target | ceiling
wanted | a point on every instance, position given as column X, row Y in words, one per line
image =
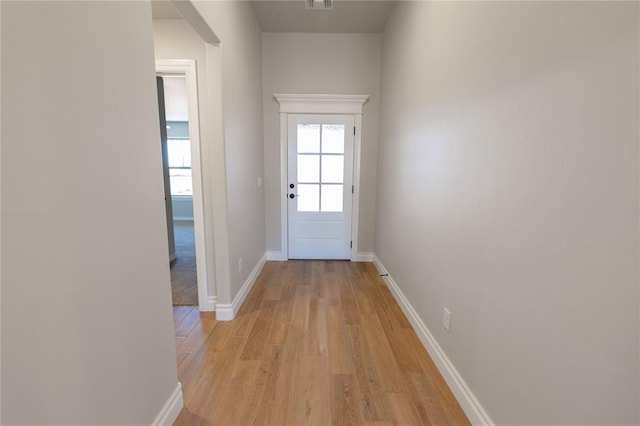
column 345, row 17
column 291, row 16
column 162, row 9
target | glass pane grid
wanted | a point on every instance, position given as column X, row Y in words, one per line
column 320, row 177
column 320, row 198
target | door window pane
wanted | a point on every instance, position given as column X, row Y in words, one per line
column 333, row 138
column 308, row 198
column 308, row 168
column 332, row 168
column 309, row 138
column 332, row 198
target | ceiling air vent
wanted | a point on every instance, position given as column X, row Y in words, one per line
column 319, row 4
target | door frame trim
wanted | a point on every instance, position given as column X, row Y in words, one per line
column 319, row 104
column 187, row 67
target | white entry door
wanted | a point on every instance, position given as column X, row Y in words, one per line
column 320, row 189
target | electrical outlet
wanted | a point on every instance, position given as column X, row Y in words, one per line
column 446, row 319
column 239, row 265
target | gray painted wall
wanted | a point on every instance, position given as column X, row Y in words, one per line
column 240, row 51
column 87, row 325
column 508, row 192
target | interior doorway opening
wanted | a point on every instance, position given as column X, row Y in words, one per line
column 183, row 183
column 179, row 192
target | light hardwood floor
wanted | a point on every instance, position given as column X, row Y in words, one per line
column 316, row 342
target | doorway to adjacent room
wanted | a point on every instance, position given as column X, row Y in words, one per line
column 181, row 160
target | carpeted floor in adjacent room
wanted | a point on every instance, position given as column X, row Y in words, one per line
column 184, row 287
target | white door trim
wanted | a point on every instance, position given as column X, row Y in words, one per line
column 188, row 68
column 319, row 104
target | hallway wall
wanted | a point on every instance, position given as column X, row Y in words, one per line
column 175, row 39
column 508, row 192
column 87, row 325
column 321, row 64
column 240, row 53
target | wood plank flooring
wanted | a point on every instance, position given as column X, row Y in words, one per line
column 317, row 343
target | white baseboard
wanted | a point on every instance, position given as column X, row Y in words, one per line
column 169, row 412
column 359, row 257
column 276, row 256
column 228, row 311
column 364, row 257
column 209, row 305
column 463, row 394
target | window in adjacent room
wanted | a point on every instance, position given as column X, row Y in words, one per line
column 180, row 166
